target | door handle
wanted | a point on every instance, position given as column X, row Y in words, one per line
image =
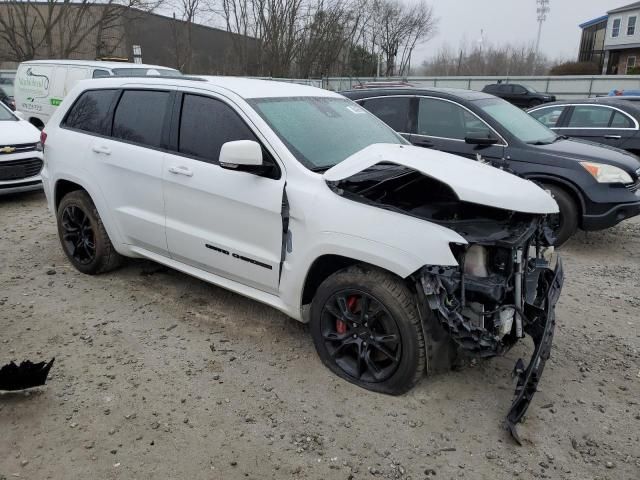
column 101, row 149
column 613, row 137
column 181, row 170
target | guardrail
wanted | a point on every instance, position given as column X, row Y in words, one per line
column 563, row 87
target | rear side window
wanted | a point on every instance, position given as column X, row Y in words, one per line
column 394, row 111
column 206, row 124
column 139, row 117
column 587, row 116
column 490, row 88
column 92, row 112
column 621, row 121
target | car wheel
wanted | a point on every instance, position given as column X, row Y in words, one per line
column 534, row 103
column 564, row 224
column 366, row 329
column 83, row 236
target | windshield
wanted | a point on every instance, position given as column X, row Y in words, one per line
column 141, row 72
column 518, row 123
column 323, row 131
column 5, row 114
column 531, row 90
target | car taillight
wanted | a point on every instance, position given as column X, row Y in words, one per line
column 43, row 137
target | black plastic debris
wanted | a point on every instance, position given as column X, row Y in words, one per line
column 23, row 376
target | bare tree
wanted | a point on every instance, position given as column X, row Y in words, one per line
column 399, row 29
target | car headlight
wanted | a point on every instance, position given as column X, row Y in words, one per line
column 604, row 173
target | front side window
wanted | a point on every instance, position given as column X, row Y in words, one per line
column 140, row 115
column 615, row 29
column 394, row 111
column 631, row 25
column 519, row 90
column 323, row 131
column 100, row 73
column 439, row 118
column 588, row 116
column 518, row 123
column 91, row 113
column 548, row 116
column 141, row 72
column 206, row 124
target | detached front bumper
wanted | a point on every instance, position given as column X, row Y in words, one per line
column 541, row 328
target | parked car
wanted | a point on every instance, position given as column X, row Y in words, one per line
column 6, row 97
column 20, row 154
column 608, row 120
column 296, row 197
column 40, row 85
column 520, row 95
column 596, row 187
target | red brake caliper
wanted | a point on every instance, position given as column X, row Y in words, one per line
column 341, row 325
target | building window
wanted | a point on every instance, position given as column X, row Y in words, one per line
column 615, row 30
column 631, row 25
column 631, row 63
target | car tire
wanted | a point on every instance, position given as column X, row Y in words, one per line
column 567, row 223
column 83, row 236
column 367, row 330
column 534, row 103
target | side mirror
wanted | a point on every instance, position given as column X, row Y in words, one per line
column 241, row 153
column 486, row 141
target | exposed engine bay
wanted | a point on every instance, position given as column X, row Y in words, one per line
column 504, row 285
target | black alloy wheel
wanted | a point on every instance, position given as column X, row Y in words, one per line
column 83, row 236
column 361, row 336
column 367, row 330
column 78, row 235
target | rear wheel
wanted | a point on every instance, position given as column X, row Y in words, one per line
column 366, row 329
column 564, row 224
column 83, row 236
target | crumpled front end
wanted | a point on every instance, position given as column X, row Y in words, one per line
column 506, row 286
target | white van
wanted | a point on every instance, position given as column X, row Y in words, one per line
column 40, row 85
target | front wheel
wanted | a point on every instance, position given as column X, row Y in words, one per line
column 366, row 329
column 564, row 224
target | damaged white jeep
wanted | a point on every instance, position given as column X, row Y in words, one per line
column 300, row 199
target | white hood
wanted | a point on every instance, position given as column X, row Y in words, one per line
column 16, row 133
column 472, row 181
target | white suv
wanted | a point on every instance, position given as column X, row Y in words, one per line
column 300, row 199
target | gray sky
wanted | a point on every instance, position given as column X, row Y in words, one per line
column 513, row 21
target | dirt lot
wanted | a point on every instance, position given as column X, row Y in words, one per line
column 159, row 375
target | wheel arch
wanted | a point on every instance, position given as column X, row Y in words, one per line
column 569, row 187
column 36, row 122
column 67, row 184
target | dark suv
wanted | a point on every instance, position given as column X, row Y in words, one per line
column 520, row 95
column 595, row 186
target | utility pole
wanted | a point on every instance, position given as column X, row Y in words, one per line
column 542, row 11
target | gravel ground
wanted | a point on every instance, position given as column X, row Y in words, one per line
column 159, row 375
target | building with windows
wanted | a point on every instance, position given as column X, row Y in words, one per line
column 613, row 41
column 592, row 42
